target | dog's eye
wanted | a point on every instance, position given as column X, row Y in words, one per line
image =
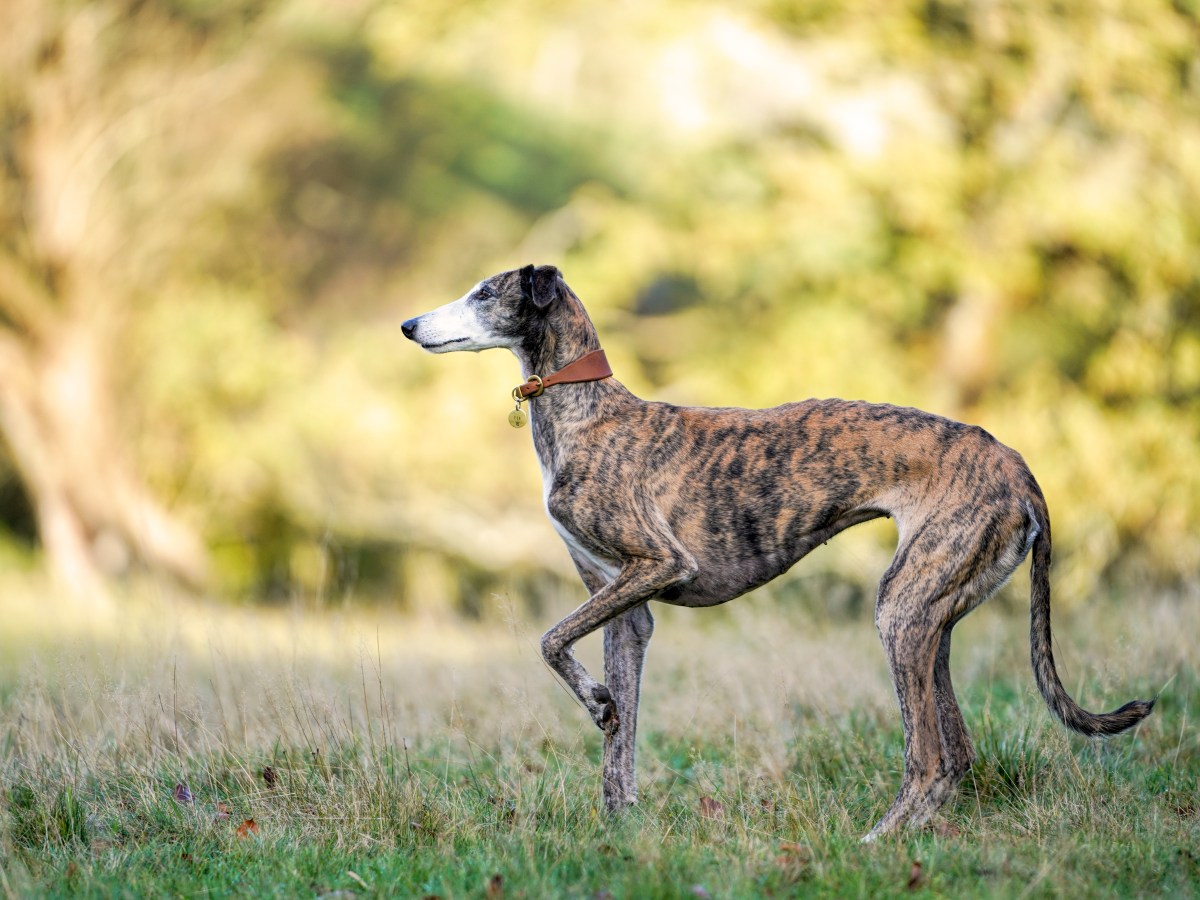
column 484, row 294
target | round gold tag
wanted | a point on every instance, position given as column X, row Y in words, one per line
column 517, row 418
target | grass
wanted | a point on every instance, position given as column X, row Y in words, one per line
column 419, row 759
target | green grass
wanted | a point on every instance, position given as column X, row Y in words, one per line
column 426, row 760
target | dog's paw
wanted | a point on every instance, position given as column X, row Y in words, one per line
column 604, row 710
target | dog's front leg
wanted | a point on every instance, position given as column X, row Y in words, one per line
column 625, row 640
column 637, row 582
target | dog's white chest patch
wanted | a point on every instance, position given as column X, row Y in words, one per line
column 604, row 567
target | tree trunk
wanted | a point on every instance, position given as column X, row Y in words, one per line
column 96, row 518
column 74, row 252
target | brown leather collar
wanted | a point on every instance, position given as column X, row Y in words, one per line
column 589, row 367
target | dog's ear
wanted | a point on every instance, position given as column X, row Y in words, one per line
column 527, row 283
column 540, row 285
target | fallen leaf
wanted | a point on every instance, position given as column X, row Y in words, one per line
column 793, row 859
column 946, row 829
column 223, row 812
column 711, row 809
column 269, row 776
column 699, row 890
column 182, row 794
column 247, row 828
column 495, row 887
column 915, row 878
column 794, row 854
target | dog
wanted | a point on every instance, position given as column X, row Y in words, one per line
column 694, row 506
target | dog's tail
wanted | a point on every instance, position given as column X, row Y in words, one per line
column 1068, row 711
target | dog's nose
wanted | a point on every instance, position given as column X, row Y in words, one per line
column 408, row 328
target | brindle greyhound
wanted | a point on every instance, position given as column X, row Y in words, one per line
column 695, row 506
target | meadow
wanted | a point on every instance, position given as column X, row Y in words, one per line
column 214, row 218
column 177, row 748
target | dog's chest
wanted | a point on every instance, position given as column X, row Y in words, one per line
column 606, row 568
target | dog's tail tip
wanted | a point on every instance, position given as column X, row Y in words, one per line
column 1070, row 713
column 1107, row 724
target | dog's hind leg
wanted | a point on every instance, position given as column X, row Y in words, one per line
column 957, row 752
column 625, row 640
column 911, row 635
column 951, row 583
column 1000, row 556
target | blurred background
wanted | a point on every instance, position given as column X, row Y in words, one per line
column 214, row 216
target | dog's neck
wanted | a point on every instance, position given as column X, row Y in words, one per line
column 566, row 334
column 557, row 414
column 548, row 352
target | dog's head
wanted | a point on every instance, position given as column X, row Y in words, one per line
column 500, row 311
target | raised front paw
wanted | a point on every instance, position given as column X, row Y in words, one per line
column 604, row 710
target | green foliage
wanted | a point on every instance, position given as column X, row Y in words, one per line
column 987, row 211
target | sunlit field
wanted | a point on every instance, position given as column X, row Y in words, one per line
column 176, row 747
column 272, row 578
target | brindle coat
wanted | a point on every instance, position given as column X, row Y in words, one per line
column 695, row 506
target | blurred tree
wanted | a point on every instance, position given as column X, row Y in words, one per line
column 210, row 211
column 77, row 117
column 192, row 195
